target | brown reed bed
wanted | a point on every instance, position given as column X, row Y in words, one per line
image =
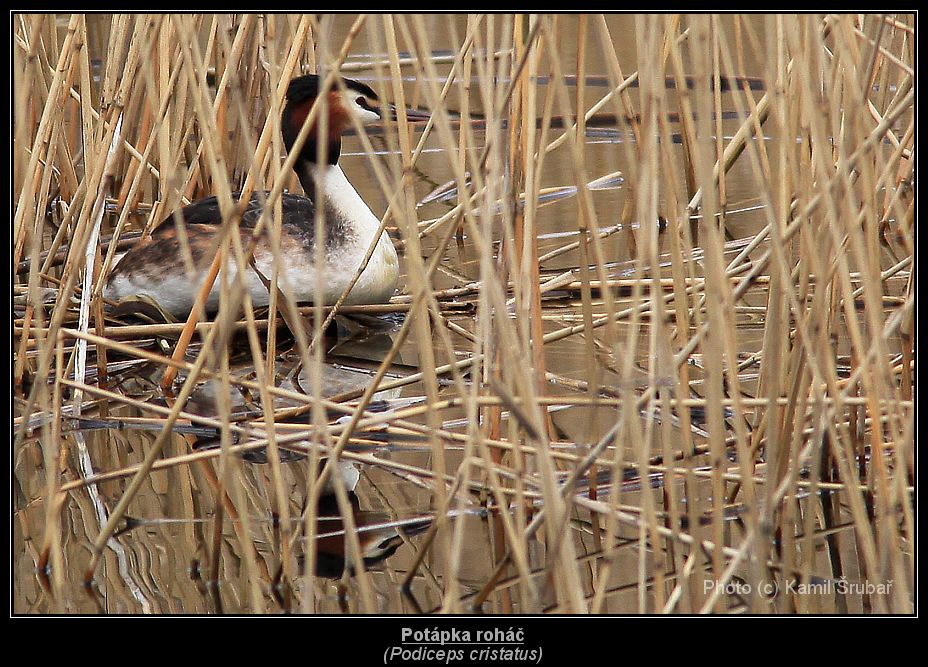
column 654, row 339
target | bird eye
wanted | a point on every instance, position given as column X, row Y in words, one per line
column 362, row 102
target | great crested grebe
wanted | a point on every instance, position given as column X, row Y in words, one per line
column 155, row 267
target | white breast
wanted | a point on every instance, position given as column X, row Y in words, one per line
column 378, row 282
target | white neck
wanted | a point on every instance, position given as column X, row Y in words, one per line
column 339, row 194
column 348, row 215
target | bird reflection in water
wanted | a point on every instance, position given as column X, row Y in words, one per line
column 379, row 535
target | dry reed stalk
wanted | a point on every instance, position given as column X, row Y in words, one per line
column 416, row 270
column 83, row 228
column 495, row 279
column 586, row 213
column 651, row 85
column 592, row 369
column 451, row 595
column 835, row 429
column 249, row 184
column 401, row 334
column 459, row 174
